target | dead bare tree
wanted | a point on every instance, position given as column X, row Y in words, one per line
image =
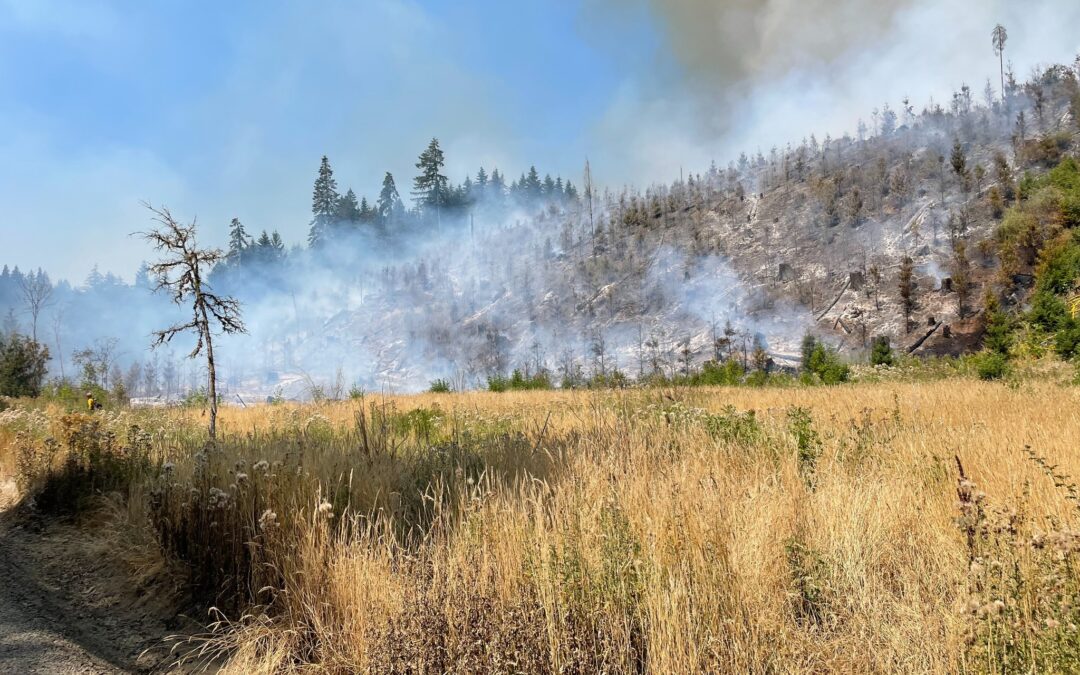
column 181, row 272
column 37, row 291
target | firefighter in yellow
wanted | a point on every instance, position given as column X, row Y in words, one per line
column 90, row 402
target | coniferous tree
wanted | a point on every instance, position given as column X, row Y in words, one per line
column 367, row 213
column 278, row 246
column 907, row 289
column 496, row 189
column 998, row 37
column 430, row 188
column 549, row 187
column 324, row 204
column 348, row 210
column 389, row 204
column 958, row 160
column 238, row 242
column 531, row 185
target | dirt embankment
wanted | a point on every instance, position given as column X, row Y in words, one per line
column 69, row 602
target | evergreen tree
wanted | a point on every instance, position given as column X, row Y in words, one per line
column 531, row 185
column 549, row 187
column 279, row 246
column 389, row 204
column 367, row 213
column 324, row 204
column 430, row 188
column 238, row 242
column 958, row 160
column 496, row 189
column 23, row 365
column 264, row 248
column 348, row 210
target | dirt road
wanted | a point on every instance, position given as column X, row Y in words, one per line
column 68, row 606
column 38, row 632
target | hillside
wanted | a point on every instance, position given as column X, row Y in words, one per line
column 482, row 278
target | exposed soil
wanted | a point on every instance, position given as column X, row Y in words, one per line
column 69, row 602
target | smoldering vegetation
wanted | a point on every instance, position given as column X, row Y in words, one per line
column 478, row 279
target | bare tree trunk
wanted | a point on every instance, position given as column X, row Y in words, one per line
column 211, row 377
column 59, row 351
column 1001, row 67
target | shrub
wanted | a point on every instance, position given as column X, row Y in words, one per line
column 881, row 353
column 991, row 365
column 440, row 386
column 1067, row 341
column 807, row 441
column 821, row 361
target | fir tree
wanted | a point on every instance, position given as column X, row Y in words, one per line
column 324, row 204
column 348, row 210
column 430, row 188
column 389, row 204
column 531, row 184
column 239, row 241
column 367, row 213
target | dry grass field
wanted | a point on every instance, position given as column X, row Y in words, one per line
column 740, row 530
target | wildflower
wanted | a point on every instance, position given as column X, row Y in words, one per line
column 167, row 467
column 262, row 466
column 241, row 478
column 326, row 510
column 268, row 520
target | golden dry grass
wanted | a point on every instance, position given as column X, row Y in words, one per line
column 654, row 535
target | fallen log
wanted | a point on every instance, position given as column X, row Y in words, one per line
column 836, row 300
column 920, row 341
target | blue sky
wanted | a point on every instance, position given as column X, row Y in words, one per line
column 223, row 109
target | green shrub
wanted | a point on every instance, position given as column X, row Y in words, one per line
column 807, row 441
column 881, row 353
column 440, row 386
column 991, row 365
column 1067, row 340
column 821, row 361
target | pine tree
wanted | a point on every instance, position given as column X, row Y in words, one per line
column 239, row 241
column 264, row 248
column 348, row 211
column 958, row 160
column 430, row 188
column 389, row 204
column 549, row 187
column 998, row 38
column 367, row 213
column 907, row 289
column 324, row 204
column 279, row 246
column 532, row 186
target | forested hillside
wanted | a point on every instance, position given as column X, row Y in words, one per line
column 895, row 231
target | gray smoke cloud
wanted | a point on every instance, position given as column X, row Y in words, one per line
column 739, row 75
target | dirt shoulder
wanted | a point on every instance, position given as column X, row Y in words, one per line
column 70, row 603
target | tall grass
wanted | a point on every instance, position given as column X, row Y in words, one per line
column 704, row 530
